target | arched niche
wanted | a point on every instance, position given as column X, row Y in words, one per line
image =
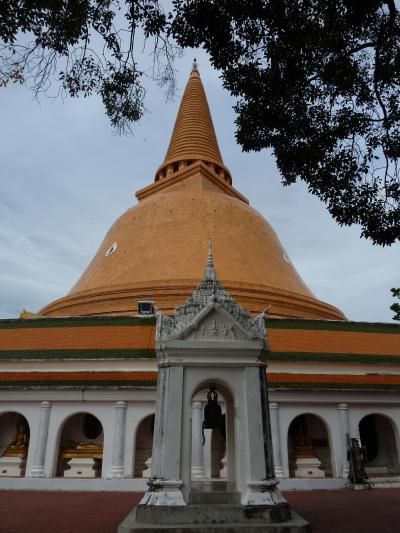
column 218, row 451
column 14, row 444
column 377, row 434
column 80, row 450
column 308, row 437
column 144, row 447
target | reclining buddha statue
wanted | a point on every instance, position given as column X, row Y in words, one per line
column 83, row 450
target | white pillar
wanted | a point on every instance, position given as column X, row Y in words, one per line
column 258, row 484
column 169, row 434
column 167, row 426
column 343, row 411
column 38, row 468
column 197, row 441
column 276, row 439
column 207, row 453
column 117, row 466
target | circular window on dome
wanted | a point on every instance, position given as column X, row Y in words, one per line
column 112, row 249
column 92, row 427
column 286, row 258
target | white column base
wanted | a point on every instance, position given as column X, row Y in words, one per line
column 38, row 471
column 12, row 466
column 164, row 492
column 198, row 472
column 308, row 467
column 263, row 493
column 116, row 472
column 280, row 472
column 82, row 467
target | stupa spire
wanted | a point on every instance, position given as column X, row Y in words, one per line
column 193, row 137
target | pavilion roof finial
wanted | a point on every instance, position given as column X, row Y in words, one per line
column 195, row 65
column 210, row 273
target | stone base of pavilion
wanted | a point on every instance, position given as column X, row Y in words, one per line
column 210, row 519
column 211, row 511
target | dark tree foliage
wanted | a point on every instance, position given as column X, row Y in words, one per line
column 318, row 81
column 90, row 46
column 396, row 306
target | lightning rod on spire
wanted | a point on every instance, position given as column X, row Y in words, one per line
column 210, row 273
column 210, row 259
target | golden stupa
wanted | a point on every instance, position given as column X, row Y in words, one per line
column 157, row 249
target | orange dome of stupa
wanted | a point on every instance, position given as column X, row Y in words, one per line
column 157, row 249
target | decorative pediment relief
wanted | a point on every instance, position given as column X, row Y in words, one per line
column 215, row 329
column 215, row 326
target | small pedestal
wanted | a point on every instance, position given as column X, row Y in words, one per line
column 12, row 466
column 308, row 467
column 83, row 467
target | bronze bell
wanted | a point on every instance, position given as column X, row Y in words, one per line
column 212, row 411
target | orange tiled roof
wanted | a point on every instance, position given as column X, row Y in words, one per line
column 297, row 340
column 88, row 376
column 126, row 337
column 134, row 337
column 334, row 378
column 92, row 337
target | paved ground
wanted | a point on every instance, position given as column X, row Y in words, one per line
column 374, row 511
column 345, row 511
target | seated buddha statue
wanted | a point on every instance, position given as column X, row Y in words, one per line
column 302, row 443
column 19, row 446
column 82, row 450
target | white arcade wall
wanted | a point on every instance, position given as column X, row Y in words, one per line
column 126, row 420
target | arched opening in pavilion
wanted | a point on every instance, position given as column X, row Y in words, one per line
column 209, row 460
column 377, row 434
column 144, row 447
column 81, row 447
column 14, row 444
column 213, row 449
column 309, row 448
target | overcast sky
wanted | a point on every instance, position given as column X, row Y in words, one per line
column 65, row 178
